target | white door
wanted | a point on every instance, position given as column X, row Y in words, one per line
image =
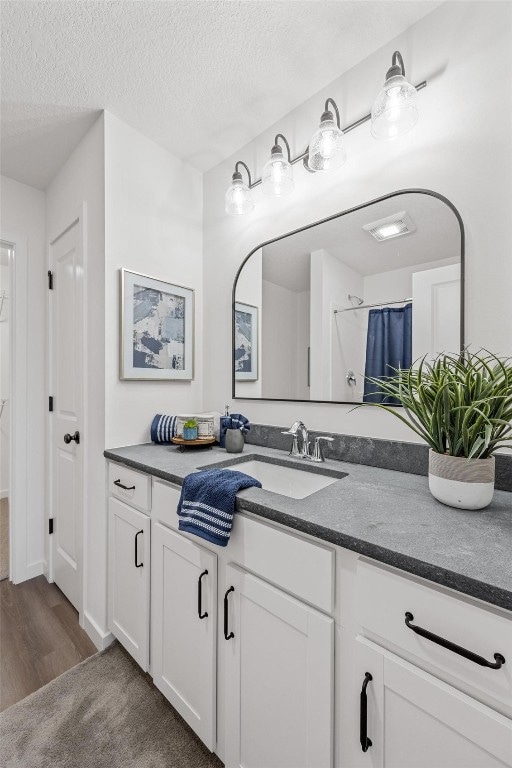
column 279, row 661
column 129, row 567
column 183, row 628
column 66, row 387
column 415, row 720
column 436, row 311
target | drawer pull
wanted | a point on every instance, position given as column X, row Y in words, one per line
column 499, row 659
column 124, row 487
column 227, row 635
column 363, row 715
column 137, row 565
column 200, row 596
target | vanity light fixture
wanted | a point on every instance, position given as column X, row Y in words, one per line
column 394, row 111
column 327, row 148
column 277, row 176
column 238, row 195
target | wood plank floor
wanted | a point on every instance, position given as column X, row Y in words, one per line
column 40, row 638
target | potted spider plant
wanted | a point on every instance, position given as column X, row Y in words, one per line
column 461, row 406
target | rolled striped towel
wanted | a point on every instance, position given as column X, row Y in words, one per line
column 207, row 503
column 163, row 428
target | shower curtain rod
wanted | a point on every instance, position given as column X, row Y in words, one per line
column 370, row 306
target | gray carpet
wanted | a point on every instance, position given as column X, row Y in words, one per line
column 103, row 713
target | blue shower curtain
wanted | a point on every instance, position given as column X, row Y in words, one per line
column 388, row 346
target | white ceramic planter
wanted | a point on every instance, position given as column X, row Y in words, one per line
column 460, row 482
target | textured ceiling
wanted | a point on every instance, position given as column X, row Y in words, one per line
column 200, row 77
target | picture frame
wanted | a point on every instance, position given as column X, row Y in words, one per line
column 157, row 329
column 245, row 353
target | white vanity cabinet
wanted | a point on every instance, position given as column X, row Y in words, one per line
column 183, row 628
column 281, row 651
column 279, row 667
column 409, row 718
column 129, row 578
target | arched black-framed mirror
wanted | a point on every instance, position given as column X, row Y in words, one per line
column 370, row 288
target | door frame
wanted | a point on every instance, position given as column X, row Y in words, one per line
column 18, row 401
column 80, row 218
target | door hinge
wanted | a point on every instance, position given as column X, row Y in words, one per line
column 50, row 403
column 50, row 525
column 50, row 280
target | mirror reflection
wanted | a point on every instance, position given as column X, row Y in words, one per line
column 356, row 296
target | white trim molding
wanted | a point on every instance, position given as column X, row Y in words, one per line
column 18, row 425
column 100, row 638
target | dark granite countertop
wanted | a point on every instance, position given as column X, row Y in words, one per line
column 386, row 515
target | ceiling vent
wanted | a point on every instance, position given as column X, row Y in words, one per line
column 392, row 226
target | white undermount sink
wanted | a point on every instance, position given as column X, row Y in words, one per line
column 288, row 481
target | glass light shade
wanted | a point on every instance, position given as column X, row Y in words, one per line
column 327, row 147
column 394, row 111
column 238, row 198
column 277, row 176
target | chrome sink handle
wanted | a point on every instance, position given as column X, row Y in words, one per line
column 298, row 426
column 294, row 450
column 317, row 454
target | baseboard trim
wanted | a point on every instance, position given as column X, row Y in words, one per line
column 34, row 569
column 100, row 639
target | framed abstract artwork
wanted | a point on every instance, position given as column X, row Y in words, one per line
column 246, row 342
column 157, row 329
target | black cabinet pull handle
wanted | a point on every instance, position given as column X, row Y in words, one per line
column 124, row 487
column 499, row 659
column 69, row 438
column 137, row 565
column 363, row 715
column 200, row 596
column 227, row 635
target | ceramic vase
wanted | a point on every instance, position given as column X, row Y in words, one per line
column 190, row 433
column 460, row 482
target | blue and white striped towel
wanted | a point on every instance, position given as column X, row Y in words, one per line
column 207, row 503
column 163, row 428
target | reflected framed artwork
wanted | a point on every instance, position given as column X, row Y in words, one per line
column 246, row 342
column 157, row 329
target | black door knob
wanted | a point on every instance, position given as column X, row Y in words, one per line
column 68, row 438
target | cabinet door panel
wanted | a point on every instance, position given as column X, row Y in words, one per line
column 418, row 721
column 128, row 591
column 183, row 645
column 279, row 684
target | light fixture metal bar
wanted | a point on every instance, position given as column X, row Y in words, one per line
column 350, row 127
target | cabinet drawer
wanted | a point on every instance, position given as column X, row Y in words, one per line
column 295, row 564
column 383, row 599
column 165, row 504
column 134, row 488
column 298, row 566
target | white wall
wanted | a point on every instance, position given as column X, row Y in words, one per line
column 337, row 342
column 461, row 147
column 279, row 340
column 396, row 283
column 23, row 214
column 4, row 381
column 153, row 214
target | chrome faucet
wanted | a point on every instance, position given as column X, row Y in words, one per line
column 317, row 454
column 298, row 427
